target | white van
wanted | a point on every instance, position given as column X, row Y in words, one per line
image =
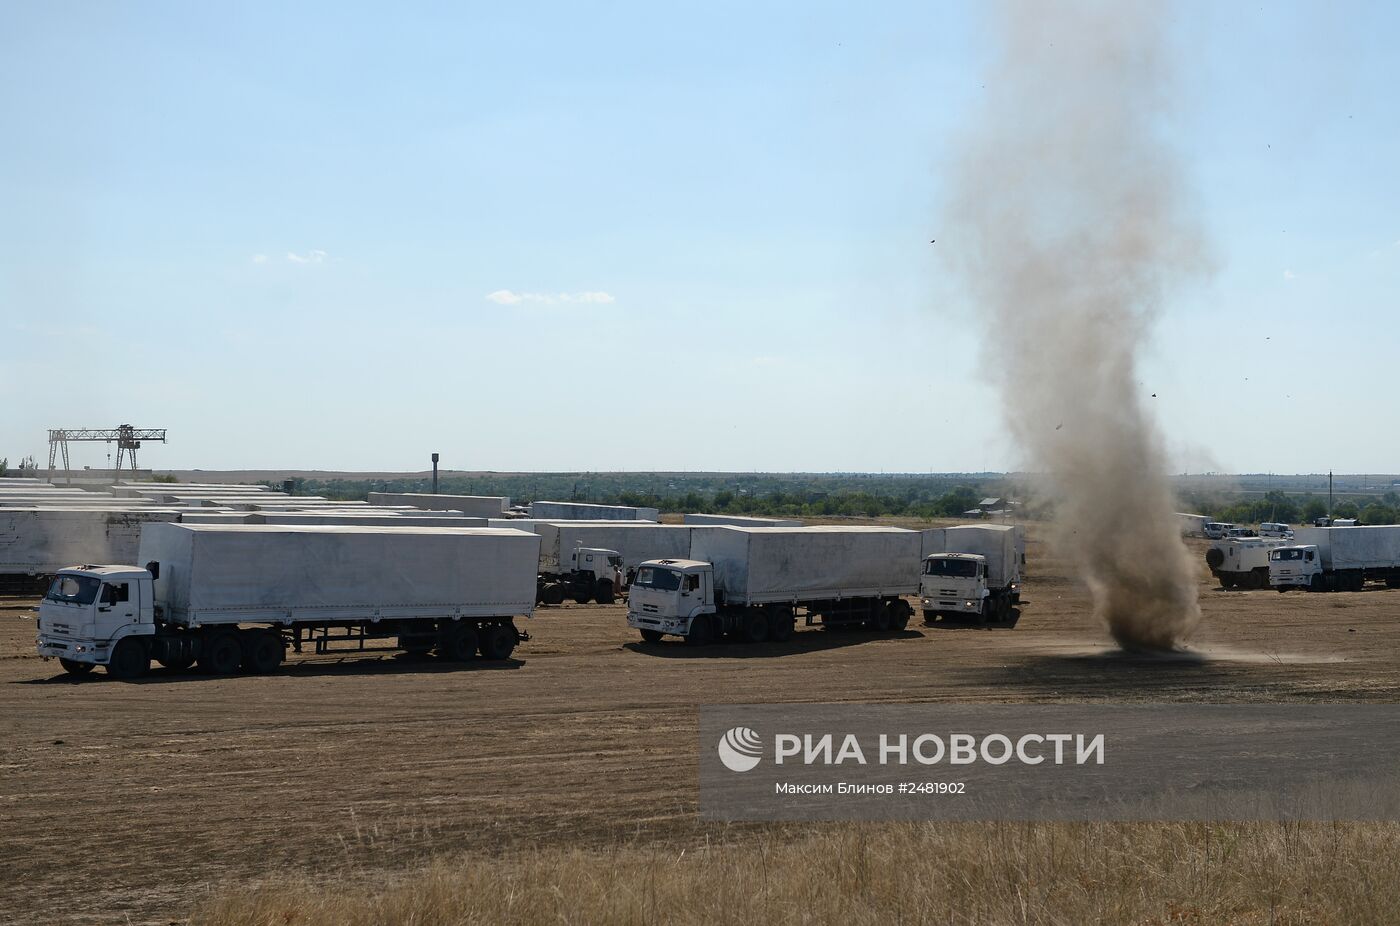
column 1275, row 529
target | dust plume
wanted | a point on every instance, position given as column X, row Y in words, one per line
column 1066, row 222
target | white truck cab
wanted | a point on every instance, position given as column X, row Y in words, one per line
column 668, row 594
column 956, row 584
column 1295, row 567
column 89, row 610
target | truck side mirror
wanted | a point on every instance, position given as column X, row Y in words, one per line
column 153, row 568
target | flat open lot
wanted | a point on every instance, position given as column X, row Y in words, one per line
column 120, row 802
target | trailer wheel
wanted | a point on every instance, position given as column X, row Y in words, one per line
column 457, row 642
column 222, row 653
column 781, row 626
column 553, row 593
column 899, row 614
column 497, row 642
column 652, row 636
column 1227, row 580
column 702, row 631
column 262, row 652
column 580, row 595
column 603, row 592
column 73, row 667
column 130, row 659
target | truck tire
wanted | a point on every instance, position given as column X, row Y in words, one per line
column 130, row 659
column 930, row 617
column 176, row 663
column 580, row 595
column 753, row 627
column 553, row 593
column 603, row 592
column 652, row 636
column 1214, row 558
column 457, row 642
column 262, row 652
column 222, row 653
column 497, row 642
column 1318, row 583
column 781, row 626
column 1227, row 580
column 899, row 614
column 702, row 631
column 880, row 619
column 73, row 667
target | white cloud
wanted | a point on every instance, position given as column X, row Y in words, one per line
column 310, row 257
column 508, row 297
column 259, row 258
column 1289, row 275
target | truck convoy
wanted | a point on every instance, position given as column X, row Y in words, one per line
column 1242, row 562
column 750, row 583
column 1332, row 559
column 973, row 570
column 232, row 597
column 591, row 560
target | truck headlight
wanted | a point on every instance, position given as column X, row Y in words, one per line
column 969, row 604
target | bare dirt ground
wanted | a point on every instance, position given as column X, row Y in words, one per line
column 122, row 802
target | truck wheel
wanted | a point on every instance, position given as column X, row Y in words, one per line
column 129, row 660
column 1318, row 583
column 702, row 631
column 222, row 653
column 1214, row 558
column 755, row 626
column 457, row 642
column 177, row 664
column 497, row 642
column 262, row 652
column 652, row 636
column 899, row 615
column 781, row 626
column 930, row 617
column 1227, row 580
column 581, row 596
column 553, row 594
column 73, row 667
column 880, row 620
column 603, row 592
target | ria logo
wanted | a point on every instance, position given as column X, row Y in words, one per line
column 740, row 749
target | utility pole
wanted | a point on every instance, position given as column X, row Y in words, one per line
column 1329, row 493
column 435, row 474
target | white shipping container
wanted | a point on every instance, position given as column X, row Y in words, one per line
column 212, row 573
column 740, row 520
column 476, row 506
column 755, row 565
column 41, row 541
column 579, row 511
column 370, row 518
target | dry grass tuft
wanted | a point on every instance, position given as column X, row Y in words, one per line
column 1156, row 874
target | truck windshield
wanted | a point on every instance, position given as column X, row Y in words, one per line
column 962, row 568
column 665, row 580
column 74, row 589
column 1286, row 554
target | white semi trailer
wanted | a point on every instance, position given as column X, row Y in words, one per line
column 232, row 597
column 582, row 511
column 1332, row 559
column 1241, row 562
column 737, row 520
column 750, row 583
column 972, row 570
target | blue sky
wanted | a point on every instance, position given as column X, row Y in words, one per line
column 277, row 230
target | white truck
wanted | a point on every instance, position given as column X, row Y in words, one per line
column 594, row 560
column 583, row 511
column 1242, row 562
column 1332, row 559
column 738, row 520
column 749, row 583
column 1192, row 525
column 971, row 571
column 232, row 597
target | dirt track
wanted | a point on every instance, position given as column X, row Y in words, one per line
column 120, row 800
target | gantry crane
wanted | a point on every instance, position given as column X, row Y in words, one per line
column 127, row 438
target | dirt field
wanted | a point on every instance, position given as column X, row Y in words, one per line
column 123, row 802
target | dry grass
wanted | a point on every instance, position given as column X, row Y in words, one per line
column 1157, row 873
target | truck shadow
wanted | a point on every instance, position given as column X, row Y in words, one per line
column 969, row 623
column 311, row 668
column 806, row 641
